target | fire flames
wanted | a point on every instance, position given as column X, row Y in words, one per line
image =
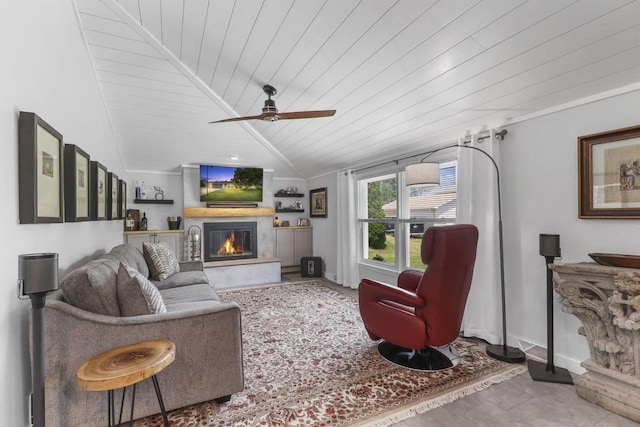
column 228, row 248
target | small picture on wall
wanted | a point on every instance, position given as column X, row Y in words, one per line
column 318, row 202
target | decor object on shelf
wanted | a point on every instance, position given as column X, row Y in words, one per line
column 616, row 260
column 174, row 222
column 98, row 187
column 609, row 174
column 76, row 184
column 318, row 203
column 285, row 223
column 605, row 300
column 37, row 275
column 159, row 192
column 194, row 243
column 499, row 351
column 549, row 249
column 144, row 191
column 276, row 222
column 40, row 168
column 143, row 222
column 420, row 317
column 303, row 222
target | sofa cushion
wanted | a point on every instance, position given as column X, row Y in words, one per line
column 92, row 287
column 133, row 256
column 161, row 261
column 137, row 295
column 183, row 278
column 192, row 293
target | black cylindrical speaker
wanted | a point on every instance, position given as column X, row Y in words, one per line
column 550, row 245
column 38, row 273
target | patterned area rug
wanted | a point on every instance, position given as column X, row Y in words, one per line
column 309, row 362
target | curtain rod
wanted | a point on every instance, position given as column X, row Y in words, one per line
column 499, row 135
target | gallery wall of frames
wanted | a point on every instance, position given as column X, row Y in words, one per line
column 59, row 182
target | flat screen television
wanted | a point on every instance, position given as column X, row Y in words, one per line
column 230, row 184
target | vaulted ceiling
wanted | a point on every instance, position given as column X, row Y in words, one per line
column 402, row 75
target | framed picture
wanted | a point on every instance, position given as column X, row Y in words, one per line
column 303, row 222
column 76, row 184
column 318, row 202
column 112, row 195
column 122, row 199
column 98, row 189
column 609, row 174
column 40, row 153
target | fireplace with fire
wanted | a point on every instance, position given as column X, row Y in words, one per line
column 225, row 241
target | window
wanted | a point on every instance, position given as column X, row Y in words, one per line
column 393, row 217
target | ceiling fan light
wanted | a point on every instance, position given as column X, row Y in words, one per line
column 421, row 174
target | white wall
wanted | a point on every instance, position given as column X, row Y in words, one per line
column 540, row 195
column 325, row 234
column 45, row 69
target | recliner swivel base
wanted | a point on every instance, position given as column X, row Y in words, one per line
column 425, row 359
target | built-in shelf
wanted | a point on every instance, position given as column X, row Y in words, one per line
column 154, row 201
column 289, row 210
column 213, row 212
column 288, row 195
column 153, row 231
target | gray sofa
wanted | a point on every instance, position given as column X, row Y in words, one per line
column 83, row 319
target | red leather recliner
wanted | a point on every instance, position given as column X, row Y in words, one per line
column 425, row 310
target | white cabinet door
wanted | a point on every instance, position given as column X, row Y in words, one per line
column 285, row 246
column 303, row 244
column 292, row 244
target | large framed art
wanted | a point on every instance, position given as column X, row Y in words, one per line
column 40, row 170
column 609, row 174
column 112, row 195
column 76, row 184
column 98, row 189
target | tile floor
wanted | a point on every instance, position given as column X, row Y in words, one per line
column 519, row 401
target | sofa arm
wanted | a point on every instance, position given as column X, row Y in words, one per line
column 208, row 363
column 191, row 266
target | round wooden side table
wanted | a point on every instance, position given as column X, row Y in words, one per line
column 123, row 366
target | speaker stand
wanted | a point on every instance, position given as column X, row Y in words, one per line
column 506, row 353
column 548, row 372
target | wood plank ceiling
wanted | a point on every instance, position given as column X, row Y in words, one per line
column 402, row 75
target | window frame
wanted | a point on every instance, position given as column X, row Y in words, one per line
column 402, row 220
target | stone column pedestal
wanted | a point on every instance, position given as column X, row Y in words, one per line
column 607, row 302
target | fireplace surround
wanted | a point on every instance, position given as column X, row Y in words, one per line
column 225, row 241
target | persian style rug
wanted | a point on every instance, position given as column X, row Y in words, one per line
column 309, row 362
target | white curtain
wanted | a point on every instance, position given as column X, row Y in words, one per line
column 478, row 205
column 347, row 254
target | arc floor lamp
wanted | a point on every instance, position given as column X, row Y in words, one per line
column 429, row 174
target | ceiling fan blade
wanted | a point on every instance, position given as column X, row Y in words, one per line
column 239, row 119
column 305, row 114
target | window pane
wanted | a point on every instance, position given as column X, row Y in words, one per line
column 429, row 205
column 382, row 204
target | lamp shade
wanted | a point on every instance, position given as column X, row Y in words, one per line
column 423, row 174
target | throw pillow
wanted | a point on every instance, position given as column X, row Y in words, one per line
column 136, row 294
column 161, row 261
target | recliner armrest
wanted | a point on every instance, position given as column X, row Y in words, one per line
column 375, row 291
column 410, row 279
